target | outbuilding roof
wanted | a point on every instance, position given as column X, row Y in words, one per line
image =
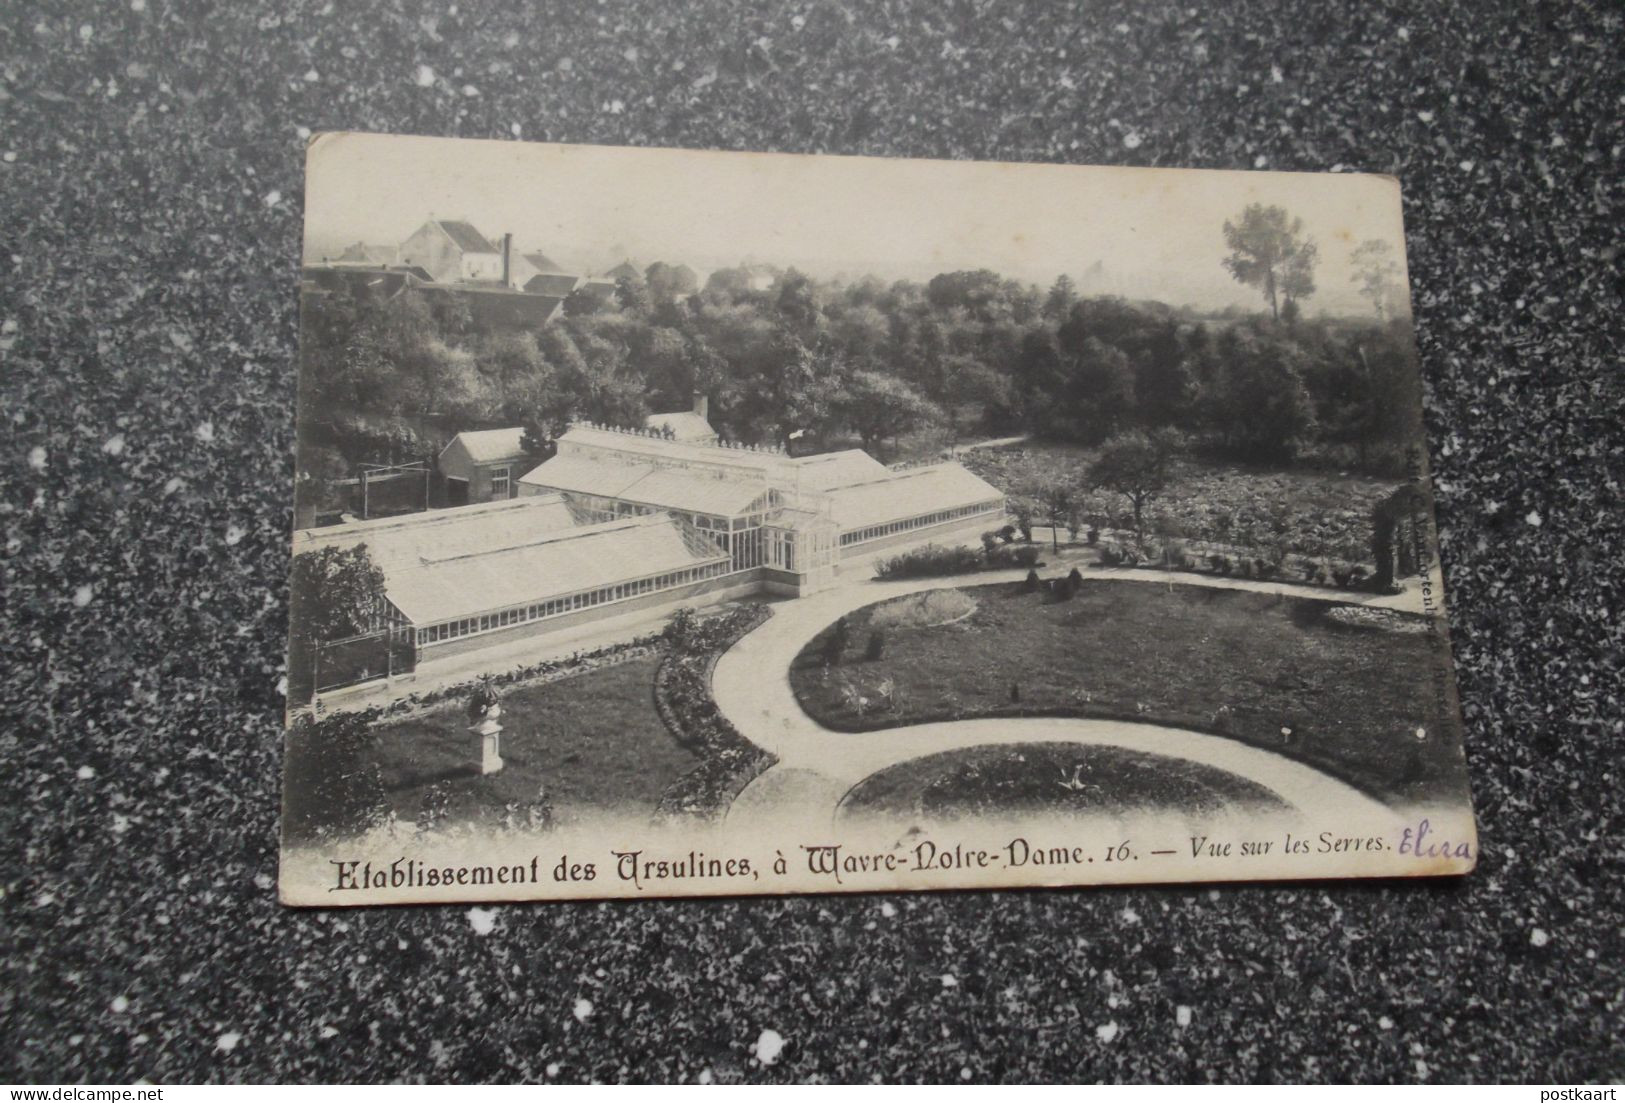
column 685, row 424
column 828, row 469
column 551, row 283
column 913, row 492
column 718, row 494
column 632, row 444
column 396, row 543
column 544, row 263
column 491, row 445
column 585, row 558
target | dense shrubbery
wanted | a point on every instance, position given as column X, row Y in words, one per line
column 927, row 561
column 683, row 698
column 332, row 787
column 932, row 560
column 390, row 375
column 1004, row 558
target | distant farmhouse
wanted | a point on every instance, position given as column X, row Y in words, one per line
column 372, row 255
column 624, row 521
column 504, row 288
column 452, row 251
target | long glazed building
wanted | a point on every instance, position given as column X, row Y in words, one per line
column 622, row 521
column 793, row 519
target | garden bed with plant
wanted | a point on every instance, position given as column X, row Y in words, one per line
column 548, row 670
column 1255, row 513
column 685, row 703
column 1043, row 779
column 1123, row 549
column 1277, row 672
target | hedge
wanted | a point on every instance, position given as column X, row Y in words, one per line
column 688, row 708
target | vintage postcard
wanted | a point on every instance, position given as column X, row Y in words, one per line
column 677, row 523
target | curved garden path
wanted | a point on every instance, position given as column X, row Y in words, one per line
column 817, row 766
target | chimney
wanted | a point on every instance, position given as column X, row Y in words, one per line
column 702, row 405
column 507, row 260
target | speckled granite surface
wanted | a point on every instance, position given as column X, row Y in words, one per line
column 149, row 194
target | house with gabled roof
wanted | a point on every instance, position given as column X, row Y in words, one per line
column 452, row 250
column 483, row 465
column 378, row 256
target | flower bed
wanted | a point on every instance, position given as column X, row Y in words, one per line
column 926, row 610
column 548, row 670
column 683, row 698
column 1120, row 549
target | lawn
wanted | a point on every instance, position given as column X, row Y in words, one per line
column 1030, row 779
column 1311, row 513
column 1271, row 671
column 594, row 740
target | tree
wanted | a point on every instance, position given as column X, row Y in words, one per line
column 1138, row 466
column 1164, row 386
column 333, row 784
column 970, row 384
column 798, row 304
column 980, row 293
column 1059, row 498
column 1063, row 293
column 334, row 593
column 538, row 440
column 633, row 294
column 582, row 301
column 1098, row 396
column 1263, row 407
column 1371, row 398
column 670, row 281
column 880, row 407
column 320, row 469
column 1298, row 279
column 1376, row 271
column 511, row 356
column 1268, row 251
column 438, row 378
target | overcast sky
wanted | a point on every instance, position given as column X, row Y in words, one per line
column 1158, row 232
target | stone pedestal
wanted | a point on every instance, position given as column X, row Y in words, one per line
column 490, row 733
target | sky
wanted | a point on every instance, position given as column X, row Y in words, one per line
column 1157, row 233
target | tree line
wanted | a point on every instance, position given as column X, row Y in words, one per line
column 808, row 364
